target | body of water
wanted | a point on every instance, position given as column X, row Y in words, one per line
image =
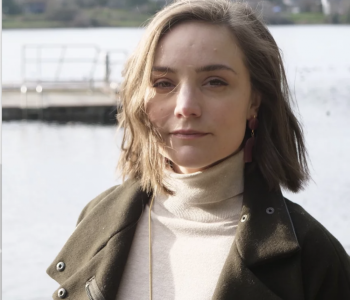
column 51, row 171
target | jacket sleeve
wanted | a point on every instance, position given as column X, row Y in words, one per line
column 336, row 280
column 324, row 262
column 94, row 202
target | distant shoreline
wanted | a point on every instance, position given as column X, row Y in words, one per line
column 123, row 18
column 95, row 17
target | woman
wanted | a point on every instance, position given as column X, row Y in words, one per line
column 209, row 139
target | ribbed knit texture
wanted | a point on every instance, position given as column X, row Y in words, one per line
column 192, row 232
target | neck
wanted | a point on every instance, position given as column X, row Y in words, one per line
column 205, row 195
column 184, row 170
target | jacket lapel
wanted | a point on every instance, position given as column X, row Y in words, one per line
column 101, row 242
column 267, row 232
column 237, row 281
column 264, row 234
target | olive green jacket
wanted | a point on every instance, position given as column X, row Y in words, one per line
column 279, row 252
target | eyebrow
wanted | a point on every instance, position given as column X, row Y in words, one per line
column 207, row 68
column 215, row 68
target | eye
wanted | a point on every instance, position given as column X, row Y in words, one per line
column 163, row 85
column 216, row 82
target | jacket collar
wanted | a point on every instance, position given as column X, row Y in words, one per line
column 265, row 231
column 264, row 234
column 261, row 237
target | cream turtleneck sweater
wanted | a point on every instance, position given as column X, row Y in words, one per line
column 192, row 232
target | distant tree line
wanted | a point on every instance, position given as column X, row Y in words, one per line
column 83, row 13
column 94, row 13
column 13, row 7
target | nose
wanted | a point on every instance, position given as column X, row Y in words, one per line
column 187, row 102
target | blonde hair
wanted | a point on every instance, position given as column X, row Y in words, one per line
column 279, row 153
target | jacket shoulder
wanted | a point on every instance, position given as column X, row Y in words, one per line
column 94, row 202
column 308, row 228
column 321, row 254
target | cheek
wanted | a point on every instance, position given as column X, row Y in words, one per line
column 230, row 127
column 233, row 128
column 230, row 117
column 157, row 113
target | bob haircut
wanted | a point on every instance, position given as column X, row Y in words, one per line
column 279, row 152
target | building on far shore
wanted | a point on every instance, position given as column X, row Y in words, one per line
column 310, row 6
column 335, row 7
column 33, row 6
column 327, row 7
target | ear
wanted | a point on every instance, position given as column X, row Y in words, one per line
column 255, row 102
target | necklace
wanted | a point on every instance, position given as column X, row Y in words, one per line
column 150, row 247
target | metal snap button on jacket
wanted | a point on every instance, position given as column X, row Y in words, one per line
column 60, row 266
column 244, row 218
column 62, row 293
column 270, row 210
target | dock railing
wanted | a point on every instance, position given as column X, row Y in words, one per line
column 70, row 66
column 66, row 76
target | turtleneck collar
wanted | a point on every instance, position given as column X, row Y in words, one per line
column 207, row 195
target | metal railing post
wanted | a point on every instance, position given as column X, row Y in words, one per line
column 107, row 69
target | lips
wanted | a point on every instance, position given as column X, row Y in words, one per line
column 187, row 131
column 188, row 134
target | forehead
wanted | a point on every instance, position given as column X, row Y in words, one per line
column 196, row 42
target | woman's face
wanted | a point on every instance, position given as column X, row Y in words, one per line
column 202, row 96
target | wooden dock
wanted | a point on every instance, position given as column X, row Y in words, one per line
column 73, row 103
column 88, row 92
